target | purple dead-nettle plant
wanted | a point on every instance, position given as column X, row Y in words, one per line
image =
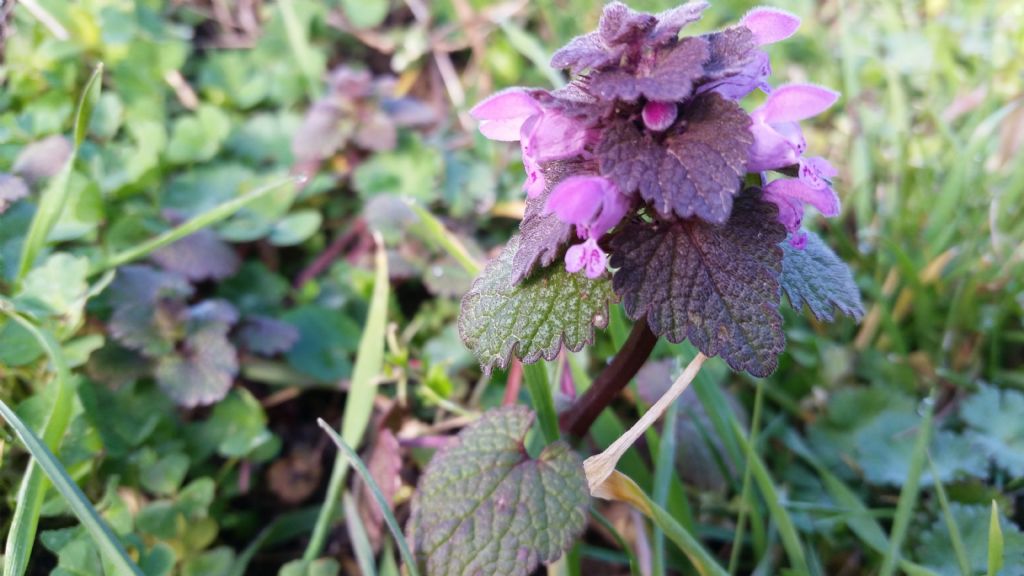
column 649, row 184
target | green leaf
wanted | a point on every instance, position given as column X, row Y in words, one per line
column 484, row 506
column 716, row 285
column 995, row 542
column 410, row 171
column 996, row 419
column 935, row 549
column 533, row 319
column 239, row 424
column 327, row 339
column 365, row 13
column 295, row 228
column 318, row 567
column 198, row 137
column 817, row 277
column 104, row 538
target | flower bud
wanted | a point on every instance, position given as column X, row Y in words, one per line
column 658, row 116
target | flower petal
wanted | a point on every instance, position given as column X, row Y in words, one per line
column 592, row 203
column 555, row 136
column 771, row 149
column 824, row 200
column 502, row 115
column 795, row 102
column 770, row 25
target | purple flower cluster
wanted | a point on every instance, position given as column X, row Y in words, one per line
column 651, row 122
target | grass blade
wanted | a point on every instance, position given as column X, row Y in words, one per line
column 360, row 540
column 359, row 403
column 108, row 542
column 857, row 516
column 208, row 218
column 536, row 377
column 55, row 196
column 954, row 530
column 908, row 496
column 620, row 487
column 746, row 498
column 664, row 470
column 352, row 458
column 22, row 535
column 995, row 542
column 433, row 231
column 780, row 516
column 634, row 564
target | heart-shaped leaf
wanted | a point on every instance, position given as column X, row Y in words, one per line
column 717, row 286
column 483, row 506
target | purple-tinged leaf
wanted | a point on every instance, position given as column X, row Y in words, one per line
column 576, row 101
column 731, row 51
column 385, row 465
column 483, row 506
column 620, row 24
column 213, row 311
column 149, row 307
column 12, row 189
column 199, row 256
column 669, row 78
column 543, row 234
column 716, row 285
column 202, row 370
column 815, row 276
column 586, row 52
column 267, row 336
column 695, row 172
column 376, row 132
column 533, row 319
column 671, row 21
column 42, row 159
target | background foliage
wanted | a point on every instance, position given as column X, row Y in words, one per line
column 199, row 372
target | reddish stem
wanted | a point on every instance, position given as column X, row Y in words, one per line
column 576, row 421
column 513, row 383
column 331, row 253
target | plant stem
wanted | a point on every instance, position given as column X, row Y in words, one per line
column 576, row 421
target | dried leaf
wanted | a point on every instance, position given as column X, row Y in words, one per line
column 385, row 465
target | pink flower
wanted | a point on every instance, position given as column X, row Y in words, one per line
column 544, row 135
column 592, row 203
column 658, row 116
column 813, row 187
column 769, row 26
column 778, row 140
column 502, row 115
column 587, row 257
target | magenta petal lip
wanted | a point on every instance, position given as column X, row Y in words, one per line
column 770, row 25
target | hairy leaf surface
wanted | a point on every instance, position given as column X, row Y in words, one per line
column 817, row 277
column 696, row 172
column 669, row 78
column 534, row 318
column 731, row 50
column 716, row 285
column 483, row 506
column 543, row 235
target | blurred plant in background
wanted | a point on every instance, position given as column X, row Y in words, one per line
column 191, row 379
